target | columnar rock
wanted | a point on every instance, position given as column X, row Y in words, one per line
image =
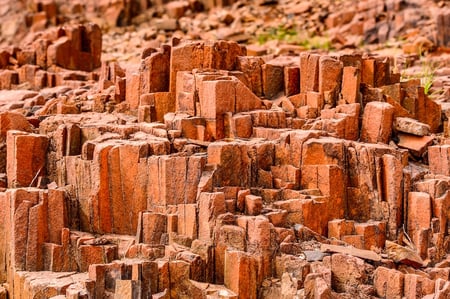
column 193, row 175
column 443, row 33
column 439, row 159
column 77, row 48
column 377, row 122
column 330, row 78
column 24, row 167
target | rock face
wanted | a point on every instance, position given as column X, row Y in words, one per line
column 201, row 172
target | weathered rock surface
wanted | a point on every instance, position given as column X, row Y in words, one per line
column 208, row 169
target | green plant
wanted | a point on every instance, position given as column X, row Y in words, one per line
column 279, row 33
column 292, row 36
column 317, row 42
column 425, row 75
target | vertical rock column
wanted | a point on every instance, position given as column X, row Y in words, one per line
column 26, row 155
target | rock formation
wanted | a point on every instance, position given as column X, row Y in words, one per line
column 206, row 172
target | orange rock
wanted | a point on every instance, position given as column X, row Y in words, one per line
column 322, row 151
column 351, row 78
column 240, row 273
column 272, row 79
column 154, row 72
column 133, row 87
column 389, row 283
column 309, row 72
column 127, row 289
column 251, row 67
column 417, row 286
column 377, row 122
column 417, row 145
column 347, row 272
column 218, row 97
column 253, row 205
column 340, row 227
column 154, row 228
column 24, row 166
column 439, row 159
column 210, row 205
column 229, row 237
column 392, row 185
column 291, row 80
column 419, row 216
column 368, row 72
column 330, row 78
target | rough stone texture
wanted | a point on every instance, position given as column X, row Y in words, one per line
column 377, row 122
column 134, row 163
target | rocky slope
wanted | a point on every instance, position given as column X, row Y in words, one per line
column 221, row 149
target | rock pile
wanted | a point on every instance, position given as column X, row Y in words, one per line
column 206, row 171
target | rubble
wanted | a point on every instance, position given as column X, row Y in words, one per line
column 212, row 169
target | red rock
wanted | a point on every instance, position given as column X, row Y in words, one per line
column 133, row 83
column 154, row 71
column 229, row 237
column 388, row 282
column 392, row 177
column 191, row 55
column 216, row 99
column 417, row 286
column 241, row 126
column 3, row 293
column 428, row 111
column 27, row 74
column 255, row 50
column 351, row 78
column 443, row 33
column 309, row 72
column 26, row 56
column 322, row 151
column 340, row 227
column 272, row 79
column 240, row 273
column 187, row 220
column 13, row 121
column 330, row 78
column 291, row 80
column 176, row 9
column 315, row 100
column 70, row 51
column 377, row 122
column 347, row 272
column 211, row 205
column 439, row 159
column 153, row 228
column 24, row 167
column 368, row 72
column 417, row 145
column 419, row 215
column 251, row 67
column 382, row 72
column 316, row 287
column 356, row 241
column 127, row 289
column 233, row 167
column 185, row 93
column 411, row 126
column 307, row 112
column 404, row 255
column 8, row 79
column 374, row 234
column 4, row 58
column 253, row 205
column 245, row 99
